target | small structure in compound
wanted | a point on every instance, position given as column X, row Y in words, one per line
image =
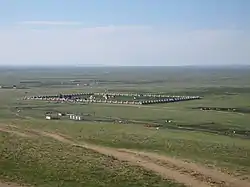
column 51, row 117
column 75, row 117
column 48, row 117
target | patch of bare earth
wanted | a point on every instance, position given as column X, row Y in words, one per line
column 2, row 129
column 3, row 184
column 211, row 176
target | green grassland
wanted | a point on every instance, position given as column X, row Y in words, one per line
column 44, row 163
column 215, row 138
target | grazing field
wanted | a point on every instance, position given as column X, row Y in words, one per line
column 40, row 162
column 126, row 145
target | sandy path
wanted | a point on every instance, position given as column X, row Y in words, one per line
column 9, row 185
column 189, row 174
column 2, row 129
column 205, row 174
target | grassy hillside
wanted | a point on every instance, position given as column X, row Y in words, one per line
column 44, row 163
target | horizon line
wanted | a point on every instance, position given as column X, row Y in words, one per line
column 100, row 65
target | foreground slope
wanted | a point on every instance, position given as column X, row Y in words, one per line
column 42, row 162
column 177, row 170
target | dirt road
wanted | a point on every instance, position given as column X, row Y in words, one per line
column 189, row 174
column 2, row 129
column 3, row 184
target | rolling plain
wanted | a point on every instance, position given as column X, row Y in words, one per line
column 197, row 143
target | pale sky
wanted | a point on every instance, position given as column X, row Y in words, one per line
column 126, row 32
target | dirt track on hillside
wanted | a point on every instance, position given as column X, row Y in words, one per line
column 2, row 129
column 189, row 174
column 3, row 184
